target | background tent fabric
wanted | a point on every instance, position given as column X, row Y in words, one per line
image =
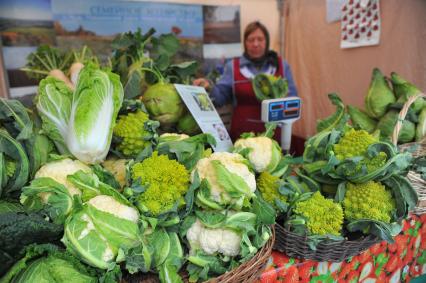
column 312, row 47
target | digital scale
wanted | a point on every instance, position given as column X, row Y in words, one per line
column 283, row 111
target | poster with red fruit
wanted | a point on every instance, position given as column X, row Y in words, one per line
column 360, row 23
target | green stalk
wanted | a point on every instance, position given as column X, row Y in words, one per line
column 155, row 72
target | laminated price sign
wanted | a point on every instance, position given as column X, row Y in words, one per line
column 201, row 107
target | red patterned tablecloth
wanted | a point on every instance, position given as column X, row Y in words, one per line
column 383, row 262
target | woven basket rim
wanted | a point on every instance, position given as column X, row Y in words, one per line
column 343, row 241
column 296, row 246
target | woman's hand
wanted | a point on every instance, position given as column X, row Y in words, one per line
column 201, row 82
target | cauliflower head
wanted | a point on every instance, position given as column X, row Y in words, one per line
column 213, row 170
column 167, row 182
column 268, row 186
column 118, row 168
column 110, row 205
column 355, row 143
column 264, row 154
column 370, row 200
column 323, row 215
column 59, row 170
column 130, row 128
column 211, row 241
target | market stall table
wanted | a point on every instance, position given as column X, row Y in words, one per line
column 383, row 262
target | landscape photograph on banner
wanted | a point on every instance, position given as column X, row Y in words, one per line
column 96, row 23
column 24, row 25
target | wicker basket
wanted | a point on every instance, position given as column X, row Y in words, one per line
column 296, row 246
column 420, row 150
column 246, row 272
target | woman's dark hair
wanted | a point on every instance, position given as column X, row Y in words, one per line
column 251, row 27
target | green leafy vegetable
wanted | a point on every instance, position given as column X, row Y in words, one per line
column 48, row 195
column 404, row 90
column 13, row 151
column 188, row 125
column 19, row 229
column 360, row 120
column 421, row 126
column 46, row 263
column 337, row 120
column 187, row 150
column 269, row 87
column 387, row 124
column 379, row 95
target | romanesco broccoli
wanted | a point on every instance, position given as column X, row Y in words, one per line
column 167, row 182
column 323, row 215
column 131, row 129
column 369, row 200
column 355, row 143
column 268, row 186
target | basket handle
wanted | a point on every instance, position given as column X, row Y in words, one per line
column 402, row 115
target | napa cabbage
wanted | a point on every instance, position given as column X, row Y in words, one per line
column 81, row 122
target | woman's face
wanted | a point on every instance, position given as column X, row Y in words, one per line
column 256, row 44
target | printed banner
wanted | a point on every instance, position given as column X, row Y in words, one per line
column 96, row 22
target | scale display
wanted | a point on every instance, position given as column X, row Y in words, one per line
column 281, row 110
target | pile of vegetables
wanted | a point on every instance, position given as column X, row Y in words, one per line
column 93, row 189
column 382, row 106
column 348, row 182
column 99, row 181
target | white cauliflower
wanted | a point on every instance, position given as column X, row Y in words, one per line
column 118, row 168
column 110, row 205
column 224, row 241
column 234, row 163
column 59, row 170
column 264, row 154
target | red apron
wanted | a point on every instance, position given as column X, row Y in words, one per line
column 246, row 117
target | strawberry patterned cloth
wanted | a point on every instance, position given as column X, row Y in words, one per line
column 360, row 23
column 382, row 262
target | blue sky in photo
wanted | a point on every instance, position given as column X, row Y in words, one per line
column 26, row 9
column 112, row 17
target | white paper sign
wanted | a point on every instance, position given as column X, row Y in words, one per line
column 202, row 109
